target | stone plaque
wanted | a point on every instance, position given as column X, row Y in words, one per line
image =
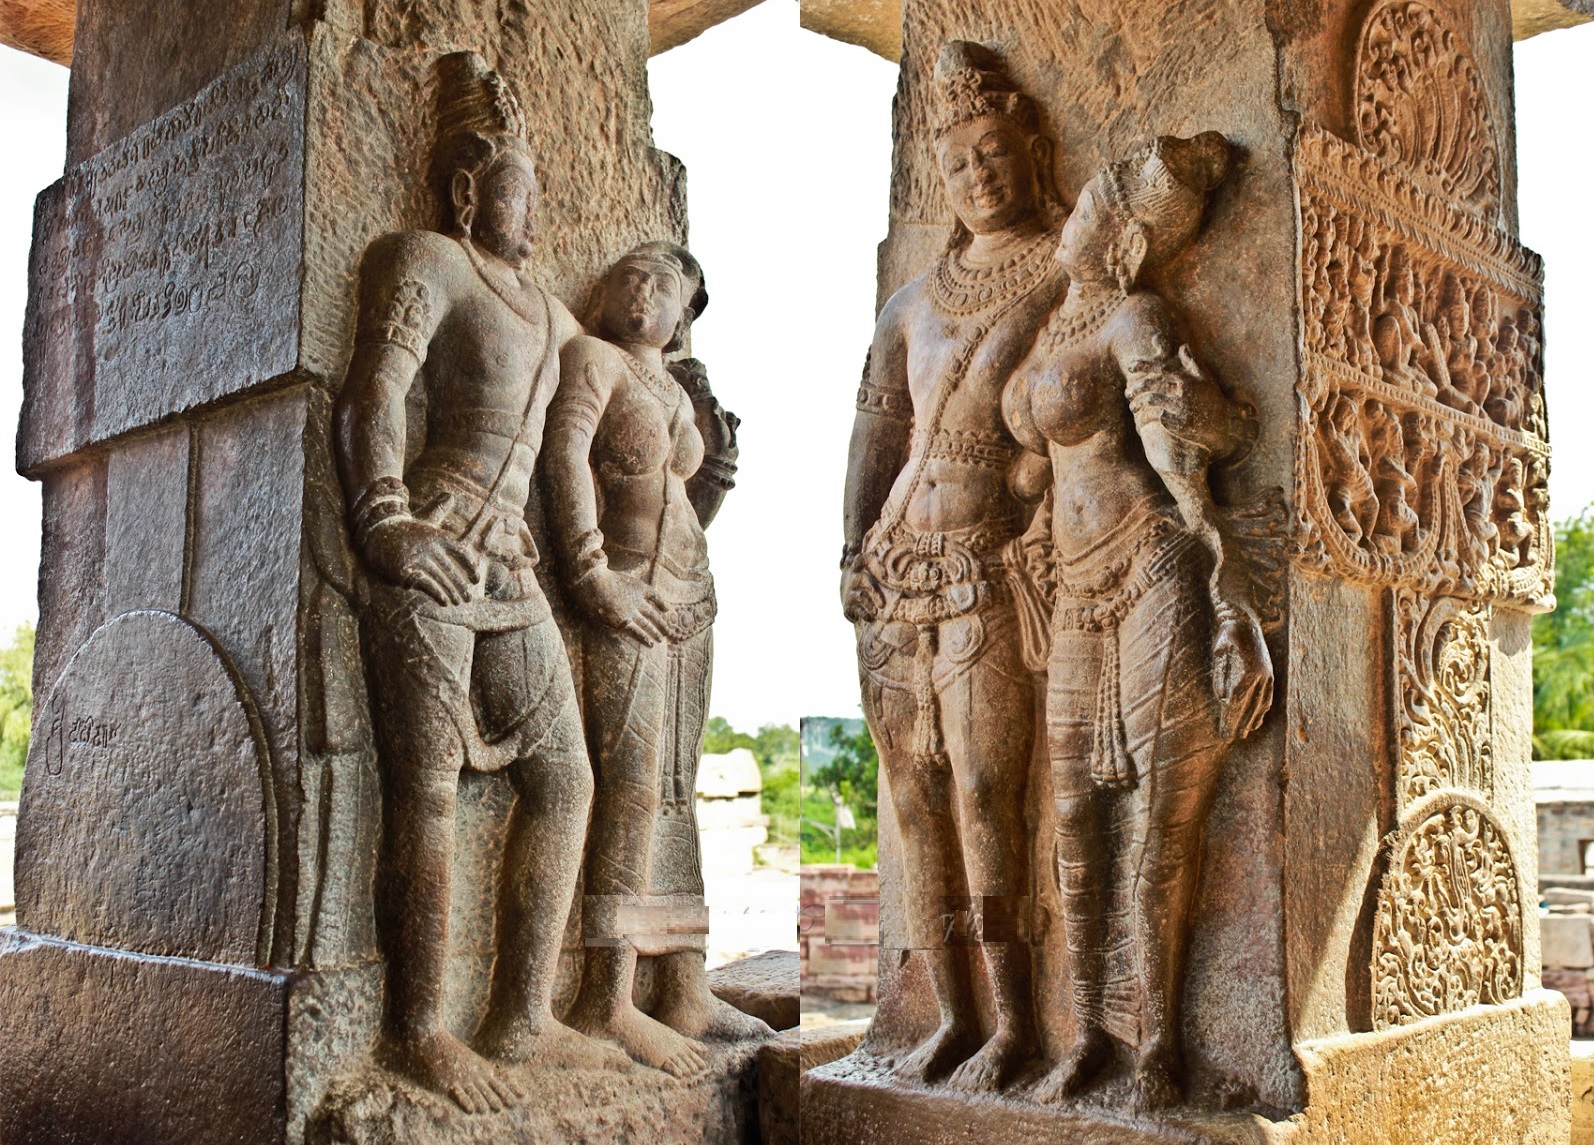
column 147, row 821
column 165, row 270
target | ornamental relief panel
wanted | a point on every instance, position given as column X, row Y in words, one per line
column 1442, row 668
column 1448, row 928
column 1421, row 105
column 1423, row 460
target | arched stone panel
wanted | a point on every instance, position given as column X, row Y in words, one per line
column 146, row 822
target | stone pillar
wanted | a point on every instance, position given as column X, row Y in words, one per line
column 1364, row 958
column 195, row 957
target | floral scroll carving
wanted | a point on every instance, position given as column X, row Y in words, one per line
column 1424, row 461
column 1442, row 649
column 1421, row 105
column 1448, row 931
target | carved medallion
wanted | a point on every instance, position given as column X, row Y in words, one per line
column 1424, row 461
column 1442, row 664
column 1448, row 932
column 1421, row 105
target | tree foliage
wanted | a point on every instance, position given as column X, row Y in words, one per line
column 776, row 747
column 16, row 709
column 1563, row 649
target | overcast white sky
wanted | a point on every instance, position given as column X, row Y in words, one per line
column 787, row 138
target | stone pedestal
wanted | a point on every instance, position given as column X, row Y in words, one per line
column 1364, row 938
column 195, row 957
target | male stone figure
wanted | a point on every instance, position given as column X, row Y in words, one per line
column 932, row 560
column 465, row 662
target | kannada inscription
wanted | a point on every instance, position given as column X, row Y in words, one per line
column 165, row 270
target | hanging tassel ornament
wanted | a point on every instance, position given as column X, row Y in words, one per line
column 1111, row 768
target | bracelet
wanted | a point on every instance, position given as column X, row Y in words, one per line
column 384, row 499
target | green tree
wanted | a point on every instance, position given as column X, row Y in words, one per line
column 1563, row 649
column 16, row 709
column 852, row 773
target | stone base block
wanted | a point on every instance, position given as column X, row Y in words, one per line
column 1492, row 1073
column 105, row 1048
column 371, row 1106
column 765, row 986
column 780, row 1066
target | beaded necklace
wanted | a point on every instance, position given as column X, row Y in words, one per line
column 661, row 386
column 960, row 290
column 1065, row 330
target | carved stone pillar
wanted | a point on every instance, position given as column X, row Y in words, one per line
column 1363, row 950
column 196, row 957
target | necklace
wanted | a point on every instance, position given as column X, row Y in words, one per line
column 515, row 302
column 661, row 386
column 1064, row 330
column 959, row 289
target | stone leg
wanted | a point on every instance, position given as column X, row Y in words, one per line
column 932, row 876
column 988, row 720
column 685, row 1002
column 627, row 705
column 417, row 671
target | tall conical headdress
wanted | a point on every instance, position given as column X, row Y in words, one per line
column 472, row 99
column 973, row 82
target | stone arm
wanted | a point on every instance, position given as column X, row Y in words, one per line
column 880, row 432
column 1185, row 421
column 612, row 598
column 716, row 477
column 401, row 306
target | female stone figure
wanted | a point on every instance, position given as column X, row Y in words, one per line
column 627, row 508
column 1157, row 660
column 933, row 521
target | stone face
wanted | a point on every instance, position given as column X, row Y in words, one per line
column 146, row 821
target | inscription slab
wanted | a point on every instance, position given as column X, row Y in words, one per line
column 165, row 270
column 145, row 820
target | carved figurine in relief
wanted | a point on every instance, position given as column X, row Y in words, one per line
column 1477, row 481
column 466, row 665
column 630, row 485
column 1397, row 328
column 1510, row 364
column 1462, row 380
column 1347, row 477
column 1510, row 511
column 1157, row 658
column 934, row 516
column 1393, row 485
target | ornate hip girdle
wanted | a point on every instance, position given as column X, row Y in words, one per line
column 1095, row 592
column 931, row 578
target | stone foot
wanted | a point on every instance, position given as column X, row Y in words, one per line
column 548, row 1042
column 443, row 1064
column 996, row 1063
column 697, row 1013
column 1090, row 1054
column 647, row 1041
column 938, row 1056
column 1158, row 1081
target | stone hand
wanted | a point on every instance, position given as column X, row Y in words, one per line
column 419, row 555
column 1242, row 675
column 861, row 597
column 621, row 601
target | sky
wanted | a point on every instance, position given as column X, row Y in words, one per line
column 786, row 137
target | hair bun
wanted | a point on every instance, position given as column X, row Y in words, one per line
column 1200, row 163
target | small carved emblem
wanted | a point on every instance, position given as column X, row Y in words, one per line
column 1448, row 932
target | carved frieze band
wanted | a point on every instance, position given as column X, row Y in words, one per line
column 1448, row 930
column 1442, row 667
column 1423, row 461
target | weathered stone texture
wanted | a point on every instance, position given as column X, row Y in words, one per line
column 145, row 816
column 764, row 986
column 103, row 1047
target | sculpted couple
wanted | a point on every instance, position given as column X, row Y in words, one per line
column 466, row 666
column 1028, row 491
